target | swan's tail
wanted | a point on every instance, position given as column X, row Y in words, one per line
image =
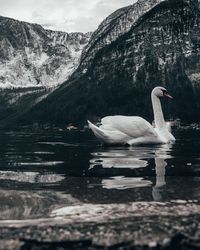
column 99, row 133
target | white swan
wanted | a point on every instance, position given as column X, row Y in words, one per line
column 134, row 130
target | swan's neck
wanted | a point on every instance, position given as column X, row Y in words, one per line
column 158, row 113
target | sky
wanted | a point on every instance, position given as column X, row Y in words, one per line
column 63, row 15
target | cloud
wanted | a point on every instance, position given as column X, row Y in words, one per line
column 65, row 15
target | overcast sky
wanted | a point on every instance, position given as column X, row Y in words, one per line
column 65, row 15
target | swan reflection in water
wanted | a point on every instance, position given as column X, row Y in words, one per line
column 160, row 167
column 133, row 162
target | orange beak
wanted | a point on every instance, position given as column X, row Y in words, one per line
column 168, row 95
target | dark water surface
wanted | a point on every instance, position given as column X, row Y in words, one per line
column 41, row 172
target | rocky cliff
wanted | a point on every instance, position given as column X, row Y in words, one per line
column 138, row 47
column 31, row 56
column 114, row 26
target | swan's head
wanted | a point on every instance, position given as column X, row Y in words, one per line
column 160, row 92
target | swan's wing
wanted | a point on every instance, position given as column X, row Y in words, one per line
column 110, row 136
column 133, row 126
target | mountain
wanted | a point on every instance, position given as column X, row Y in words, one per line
column 147, row 44
column 33, row 62
column 31, row 56
column 114, row 26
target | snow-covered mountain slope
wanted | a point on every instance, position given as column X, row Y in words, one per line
column 31, row 56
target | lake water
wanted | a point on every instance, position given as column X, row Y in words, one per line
column 43, row 172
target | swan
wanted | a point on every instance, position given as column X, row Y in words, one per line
column 134, row 130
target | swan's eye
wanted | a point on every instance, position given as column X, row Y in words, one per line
column 164, row 92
